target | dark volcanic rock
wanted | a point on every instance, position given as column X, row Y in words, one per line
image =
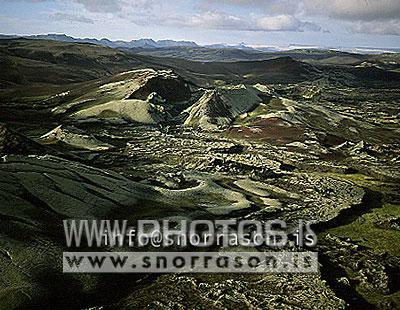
column 14, row 143
column 38, row 192
column 168, row 86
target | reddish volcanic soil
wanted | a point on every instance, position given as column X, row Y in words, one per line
column 274, row 130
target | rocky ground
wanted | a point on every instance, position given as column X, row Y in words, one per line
column 149, row 144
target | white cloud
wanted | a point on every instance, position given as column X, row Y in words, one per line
column 101, row 5
column 377, row 17
column 360, row 16
column 116, row 6
column 270, row 7
column 71, row 17
column 105, row 6
column 380, row 17
column 215, row 20
column 341, row 9
column 390, row 27
column 223, row 21
column 354, row 10
column 284, row 23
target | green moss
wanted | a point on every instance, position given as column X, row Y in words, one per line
column 108, row 114
column 367, row 182
column 366, row 229
column 369, row 231
column 375, row 298
column 251, row 115
column 366, row 232
column 272, row 106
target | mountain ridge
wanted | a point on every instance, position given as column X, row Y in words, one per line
column 168, row 43
column 106, row 42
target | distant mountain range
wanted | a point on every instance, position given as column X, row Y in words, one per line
column 160, row 44
column 144, row 43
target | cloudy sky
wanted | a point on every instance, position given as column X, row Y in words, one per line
column 329, row 23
